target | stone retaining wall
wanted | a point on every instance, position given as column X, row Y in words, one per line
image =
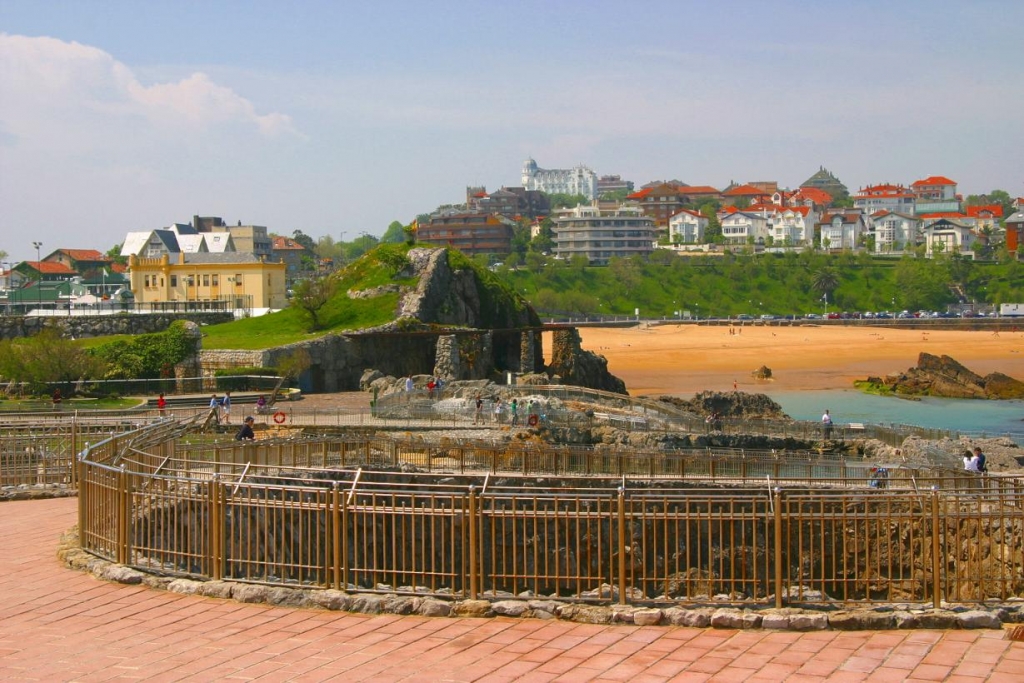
column 82, row 326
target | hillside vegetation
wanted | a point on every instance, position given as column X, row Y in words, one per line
column 777, row 284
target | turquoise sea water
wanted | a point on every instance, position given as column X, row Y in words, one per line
column 970, row 417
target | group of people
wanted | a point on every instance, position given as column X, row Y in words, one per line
column 513, row 407
column 713, row 422
column 974, row 461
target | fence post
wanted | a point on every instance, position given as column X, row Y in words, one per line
column 936, row 563
column 622, row 546
column 777, row 505
column 216, row 529
column 122, row 516
column 336, row 534
column 473, row 544
column 74, row 452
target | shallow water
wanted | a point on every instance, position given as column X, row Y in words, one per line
column 974, row 417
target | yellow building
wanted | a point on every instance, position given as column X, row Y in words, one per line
column 230, row 280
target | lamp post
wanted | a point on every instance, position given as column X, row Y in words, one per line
column 39, row 271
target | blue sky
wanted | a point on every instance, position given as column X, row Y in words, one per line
column 336, row 118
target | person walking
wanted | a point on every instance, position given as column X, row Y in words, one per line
column 514, row 410
column 215, row 406
column 499, row 408
column 225, row 407
column 57, row 398
column 826, row 424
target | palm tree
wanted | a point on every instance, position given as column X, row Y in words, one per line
column 825, row 281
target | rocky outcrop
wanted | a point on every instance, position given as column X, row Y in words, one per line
column 942, row 376
column 578, row 367
column 447, row 296
column 729, row 404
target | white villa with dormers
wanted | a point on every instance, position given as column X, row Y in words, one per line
column 687, row 227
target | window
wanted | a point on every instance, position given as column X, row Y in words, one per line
column 238, row 279
column 206, row 280
column 216, row 279
column 174, row 281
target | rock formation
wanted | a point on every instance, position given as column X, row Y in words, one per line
column 942, row 376
column 729, row 404
column 579, row 367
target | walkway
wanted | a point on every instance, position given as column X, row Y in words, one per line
column 57, row 625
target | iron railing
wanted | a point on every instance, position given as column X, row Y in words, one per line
column 288, row 513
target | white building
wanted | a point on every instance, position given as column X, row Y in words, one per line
column 577, row 180
column 687, row 227
column 841, row 229
column 604, row 232
column 894, row 231
column 742, row 227
column 792, row 226
column 948, row 236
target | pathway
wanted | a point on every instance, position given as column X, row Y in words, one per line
column 59, row 625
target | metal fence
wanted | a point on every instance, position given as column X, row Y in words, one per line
column 300, row 513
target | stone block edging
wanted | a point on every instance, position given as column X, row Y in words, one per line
column 788, row 618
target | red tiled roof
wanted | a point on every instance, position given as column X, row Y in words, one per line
column 698, row 189
column 51, row 268
column 816, row 195
column 84, row 254
column 118, row 267
column 640, row 194
column 802, row 210
column 995, row 209
column 933, row 180
column 943, row 214
column 285, row 243
column 745, row 191
column 697, row 214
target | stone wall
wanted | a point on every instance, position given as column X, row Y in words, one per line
column 337, row 362
column 82, row 326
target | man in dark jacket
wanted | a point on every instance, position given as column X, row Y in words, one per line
column 246, row 433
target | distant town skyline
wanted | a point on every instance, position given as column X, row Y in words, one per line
column 338, row 118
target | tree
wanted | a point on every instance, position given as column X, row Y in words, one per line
column 559, row 200
column 395, row 233
column 615, row 195
column 311, row 295
column 825, row 281
column 47, row 357
column 114, row 254
column 713, row 233
column 305, row 240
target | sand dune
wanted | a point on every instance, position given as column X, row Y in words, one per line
column 684, row 359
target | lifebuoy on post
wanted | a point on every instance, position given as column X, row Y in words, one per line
column 532, row 420
column 279, row 416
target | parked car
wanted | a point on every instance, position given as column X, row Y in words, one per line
column 834, row 316
column 812, row 316
column 744, row 316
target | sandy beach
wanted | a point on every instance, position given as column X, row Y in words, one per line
column 684, row 359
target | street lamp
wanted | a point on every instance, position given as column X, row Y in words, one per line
column 39, row 271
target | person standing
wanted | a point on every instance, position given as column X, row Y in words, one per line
column 408, row 384
column 225, row 407
column 478, row 414
column 161, row 404
column 499, row 408
column 826, row 424
column 58, row 398
column 215, row 406
column 514, row 410
column 980, row 459
column 970, row 461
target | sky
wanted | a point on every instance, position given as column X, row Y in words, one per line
column 338, row 117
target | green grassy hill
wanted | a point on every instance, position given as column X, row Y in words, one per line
column 777, row 284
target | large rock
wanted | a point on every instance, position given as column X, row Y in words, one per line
column 578, row 367
column 945, row 377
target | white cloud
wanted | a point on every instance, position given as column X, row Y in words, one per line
column 66, row 93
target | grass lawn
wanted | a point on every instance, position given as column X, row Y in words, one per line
column 22, row 405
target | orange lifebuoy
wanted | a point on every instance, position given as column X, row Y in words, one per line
column 279, row 416
column 532, row 420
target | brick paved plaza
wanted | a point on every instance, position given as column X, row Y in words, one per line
column 60, row 625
